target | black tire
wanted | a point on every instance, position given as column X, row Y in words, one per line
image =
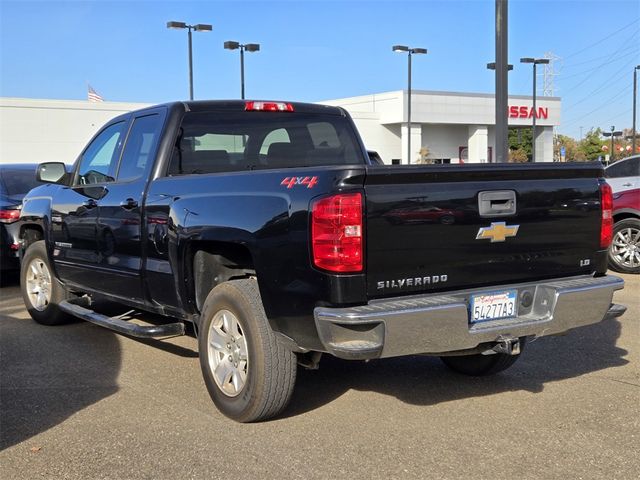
column 478, row 365
column 269, row 369
column 624, row 252
column 48, row 313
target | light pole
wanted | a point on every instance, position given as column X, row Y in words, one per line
column 410, row 52
column 612, row 134
column 200, row 27
column 534, row 61
column 635, row 90
column 249, row 47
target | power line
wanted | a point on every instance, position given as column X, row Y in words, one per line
column 607, row 55
column 614, row 60
column 602, row 39
column 624, row 91
column 587, row 78
column 607, row 82
column 618, row 115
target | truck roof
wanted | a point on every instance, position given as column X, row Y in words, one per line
column 239, row 106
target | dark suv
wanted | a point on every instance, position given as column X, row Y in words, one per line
column 15, row 181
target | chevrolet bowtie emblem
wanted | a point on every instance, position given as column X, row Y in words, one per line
column 497, row 232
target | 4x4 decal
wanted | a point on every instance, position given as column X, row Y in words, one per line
column 310, row 182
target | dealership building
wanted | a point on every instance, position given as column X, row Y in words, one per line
column 446, row 127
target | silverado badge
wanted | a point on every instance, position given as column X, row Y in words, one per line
column 497, row 232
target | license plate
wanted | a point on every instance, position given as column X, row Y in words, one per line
column 492, row 306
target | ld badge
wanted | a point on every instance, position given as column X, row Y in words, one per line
column 497, row 232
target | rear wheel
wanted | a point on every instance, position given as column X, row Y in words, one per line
column 624, row 253
column 249, row 374
column 41, row 290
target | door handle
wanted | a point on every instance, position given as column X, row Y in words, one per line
column 91, row 203
column 497, row 203
column 627, row 184
column 129, row 204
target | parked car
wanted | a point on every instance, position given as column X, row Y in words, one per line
column 15, row 181
column 624, row 174
column 624, row 253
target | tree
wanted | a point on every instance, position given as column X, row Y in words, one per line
column 570, row 149
column 424, row 156
column 520, row 139
column 519, row 155
column 591, row 144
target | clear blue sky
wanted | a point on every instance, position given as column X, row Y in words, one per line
column 315, row 50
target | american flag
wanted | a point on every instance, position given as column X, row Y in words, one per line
column 94, row 96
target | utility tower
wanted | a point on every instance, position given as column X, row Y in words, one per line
column 551, row 70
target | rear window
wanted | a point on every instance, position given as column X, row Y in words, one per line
column 18, row 181
column 212, row 142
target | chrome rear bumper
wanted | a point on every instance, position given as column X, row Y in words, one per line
column 439, row 323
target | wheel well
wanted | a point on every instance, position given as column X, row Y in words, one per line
column 623, row 216
column 30, row 234
column 214, row 263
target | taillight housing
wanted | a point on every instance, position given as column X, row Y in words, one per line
column 9, row 215
column 606, row 226
column 337, row 233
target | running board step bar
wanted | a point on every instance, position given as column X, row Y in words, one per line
column 119, row 325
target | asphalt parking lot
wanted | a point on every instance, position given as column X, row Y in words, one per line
column 78, row 401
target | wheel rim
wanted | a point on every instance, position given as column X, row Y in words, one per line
column 227, row 353
column 38, row 282
column 625, row 247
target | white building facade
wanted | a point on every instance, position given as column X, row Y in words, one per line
column 36, row 131
column 448, row 127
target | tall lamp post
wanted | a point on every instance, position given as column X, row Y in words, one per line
column 249, row 47
column 635, row 90
column 410, row 52
column 200, row 27
column 612, row 134
column 534, row 61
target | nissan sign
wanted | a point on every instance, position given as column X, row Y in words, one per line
column 528, row 112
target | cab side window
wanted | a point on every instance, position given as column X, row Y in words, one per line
column 624, row 168
column 139, row 151
column 100, row 159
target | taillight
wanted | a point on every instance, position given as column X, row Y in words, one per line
column 268, row 107
column 336, row 233
column 606, row 227
column 9, row 216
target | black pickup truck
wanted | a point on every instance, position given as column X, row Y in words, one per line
column 267, row 226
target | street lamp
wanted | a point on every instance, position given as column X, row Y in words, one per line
column 534, row 61
column 410, row 52
column 249, row 47
column 612, row 134
column 635, row 89
column 200, row 27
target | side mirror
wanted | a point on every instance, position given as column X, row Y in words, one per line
column 51, row 172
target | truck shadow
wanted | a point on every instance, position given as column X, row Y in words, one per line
column 49, row 373
column 425, row 381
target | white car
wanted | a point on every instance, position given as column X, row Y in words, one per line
column 624, row 174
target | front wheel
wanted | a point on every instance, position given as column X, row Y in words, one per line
column 41, row 290
column 624, row 252
column 249, row 374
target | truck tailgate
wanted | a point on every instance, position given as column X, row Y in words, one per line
column 425, row 225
